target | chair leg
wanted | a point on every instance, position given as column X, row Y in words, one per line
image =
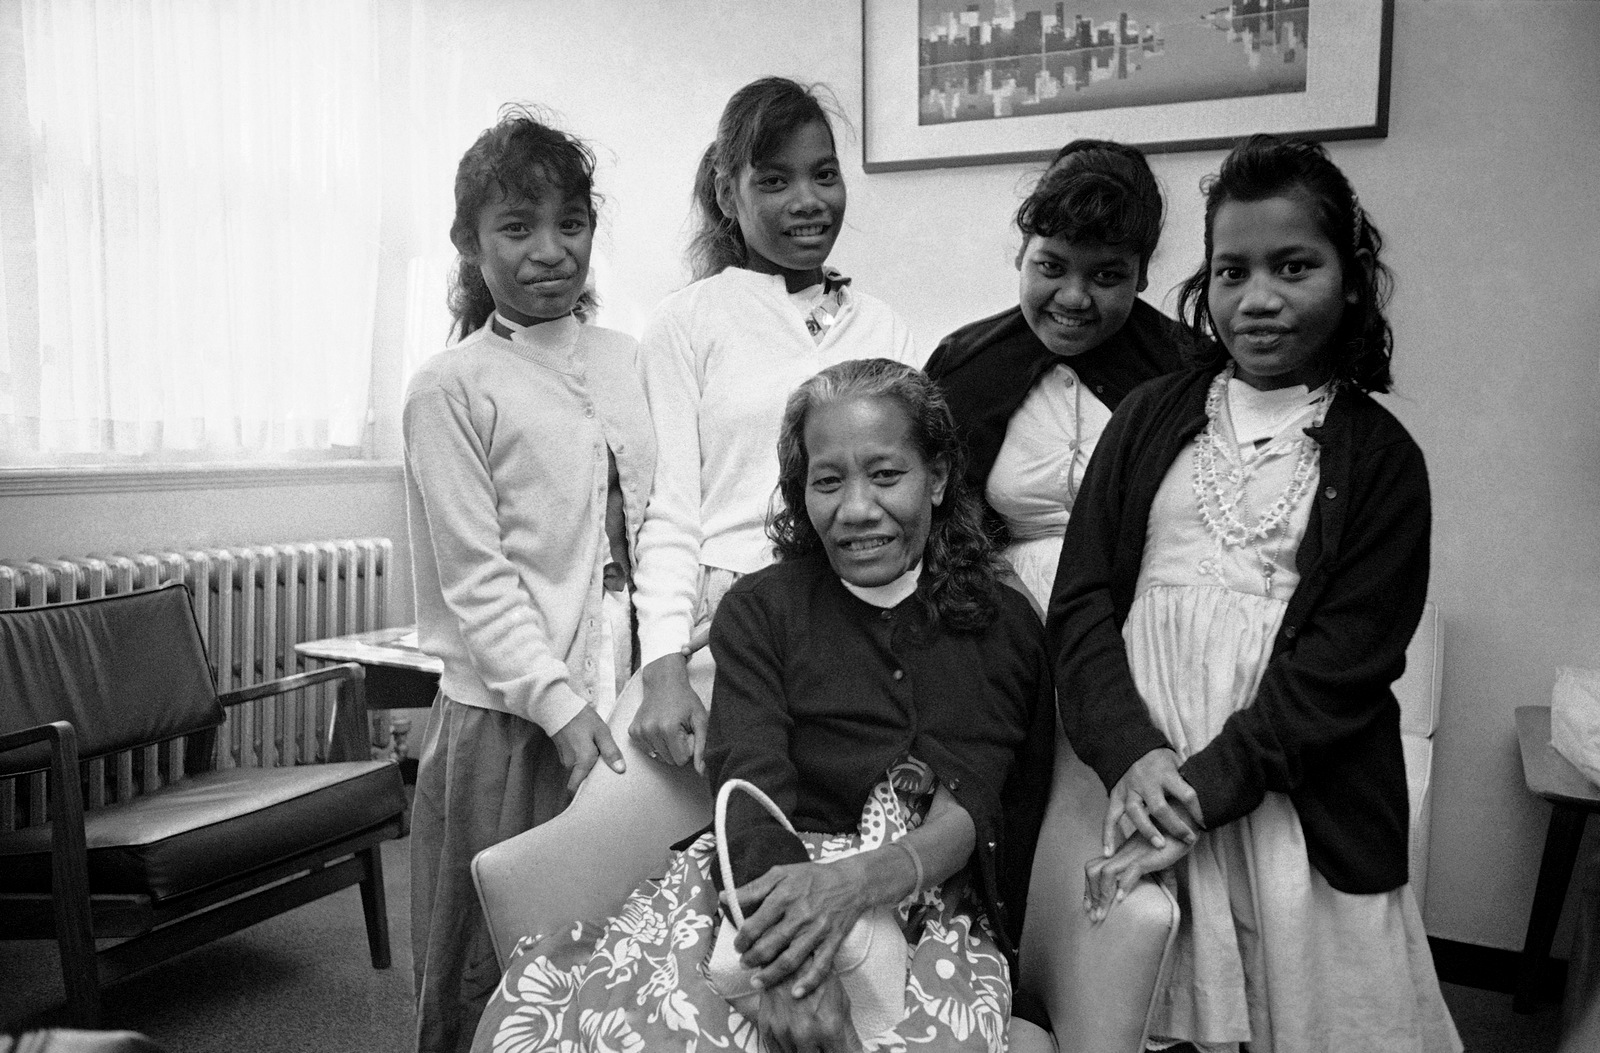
column 69, row 875
column 374, row 906
column 1555, row 872
column 80, row 969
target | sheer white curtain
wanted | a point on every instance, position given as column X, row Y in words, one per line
column 206, row 204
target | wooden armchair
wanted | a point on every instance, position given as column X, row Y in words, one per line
column 113, row 698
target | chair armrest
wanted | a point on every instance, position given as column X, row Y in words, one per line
column 285, row 684
column 69, row 849
column 1097, row 981
column 62, row 739
column 347, row 730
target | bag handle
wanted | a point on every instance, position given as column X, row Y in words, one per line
column 721, row 828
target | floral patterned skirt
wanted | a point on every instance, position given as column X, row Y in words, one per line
column 638, row 983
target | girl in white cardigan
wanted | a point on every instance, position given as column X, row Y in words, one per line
column 529, row 455
column 719, row 360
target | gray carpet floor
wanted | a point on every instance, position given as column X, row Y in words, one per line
column 302, row 983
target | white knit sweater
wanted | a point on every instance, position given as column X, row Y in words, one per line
column 506, row 483
column 719, row 360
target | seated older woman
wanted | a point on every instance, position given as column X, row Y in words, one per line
column 883, row 689
column 1033, row 386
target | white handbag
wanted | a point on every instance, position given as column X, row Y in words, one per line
column 870, row 963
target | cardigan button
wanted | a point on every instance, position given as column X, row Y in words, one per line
column 899, row 674
column 1330, row 493
column 1291, row 632
column 886, row 614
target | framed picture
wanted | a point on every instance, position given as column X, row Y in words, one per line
column 947, row 83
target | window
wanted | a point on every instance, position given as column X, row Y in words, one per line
column 190, row 229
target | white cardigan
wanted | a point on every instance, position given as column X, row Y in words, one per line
column 506, row 483
column 720, row 359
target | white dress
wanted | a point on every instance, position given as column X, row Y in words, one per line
column 1267, row 953
column 1038, row 470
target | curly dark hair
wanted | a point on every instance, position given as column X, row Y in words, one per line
column 1267, row 166
column 755, row 124
column 523, row 155
column 959, row 587
column 1095, row 190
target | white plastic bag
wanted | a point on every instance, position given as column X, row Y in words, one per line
column 1575, row 719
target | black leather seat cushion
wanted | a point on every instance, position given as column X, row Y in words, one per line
column 212, row 827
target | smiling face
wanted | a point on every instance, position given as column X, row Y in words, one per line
column 1075, row 295
column 789, row 206
column 869, row 493
column 534, row 254
column 1276, row 292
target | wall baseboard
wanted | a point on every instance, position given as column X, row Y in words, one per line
column 1491, row 968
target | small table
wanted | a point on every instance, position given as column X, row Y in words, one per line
column 1572, row 798
column 398, row 675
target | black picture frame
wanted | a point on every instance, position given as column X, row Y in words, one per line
column 1346, row 69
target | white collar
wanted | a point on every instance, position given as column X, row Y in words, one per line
column 1258, row 415
column 530, row 334
column 551, row 343
column 890, row 594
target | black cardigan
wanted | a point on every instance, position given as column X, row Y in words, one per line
column 988, row 367
column 1324, row 727
column 818, row 693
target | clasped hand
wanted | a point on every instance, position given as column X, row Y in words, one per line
column 816, row 1023
column 796, row 918
column 1152, row 820
column 1152, row 799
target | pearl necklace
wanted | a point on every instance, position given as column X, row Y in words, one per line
column 1219, row 510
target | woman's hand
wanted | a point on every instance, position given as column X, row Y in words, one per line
column 583, row 740
column 1108, row 880
column 805, row 912
column 816, row 1023
column 671, row 722
column 1140, row 804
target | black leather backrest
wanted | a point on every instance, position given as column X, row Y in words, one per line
column 125, row 670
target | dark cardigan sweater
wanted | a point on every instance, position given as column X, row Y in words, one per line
column 818, row 693
column 1324, row 727
column 988, row 367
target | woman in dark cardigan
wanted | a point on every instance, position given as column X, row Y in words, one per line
column 1032, row 387
column 882, row 651
column 887, row 692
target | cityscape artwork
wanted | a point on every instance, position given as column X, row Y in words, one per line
column 983, row 60
column 947, row 83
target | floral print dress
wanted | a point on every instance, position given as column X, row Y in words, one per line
column 637, row 981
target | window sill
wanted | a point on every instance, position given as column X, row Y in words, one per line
column 97, row 479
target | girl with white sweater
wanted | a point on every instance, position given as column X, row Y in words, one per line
column 719, row 359
column 529, row 455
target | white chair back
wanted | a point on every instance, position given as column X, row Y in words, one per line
column 1418, row 692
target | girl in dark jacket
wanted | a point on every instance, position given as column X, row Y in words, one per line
column 1033, row 386
column 1239, row 582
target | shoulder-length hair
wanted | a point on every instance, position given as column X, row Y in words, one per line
column 958, row 587
column 1265, row 166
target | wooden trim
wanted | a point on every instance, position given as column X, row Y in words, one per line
column 98, row 479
